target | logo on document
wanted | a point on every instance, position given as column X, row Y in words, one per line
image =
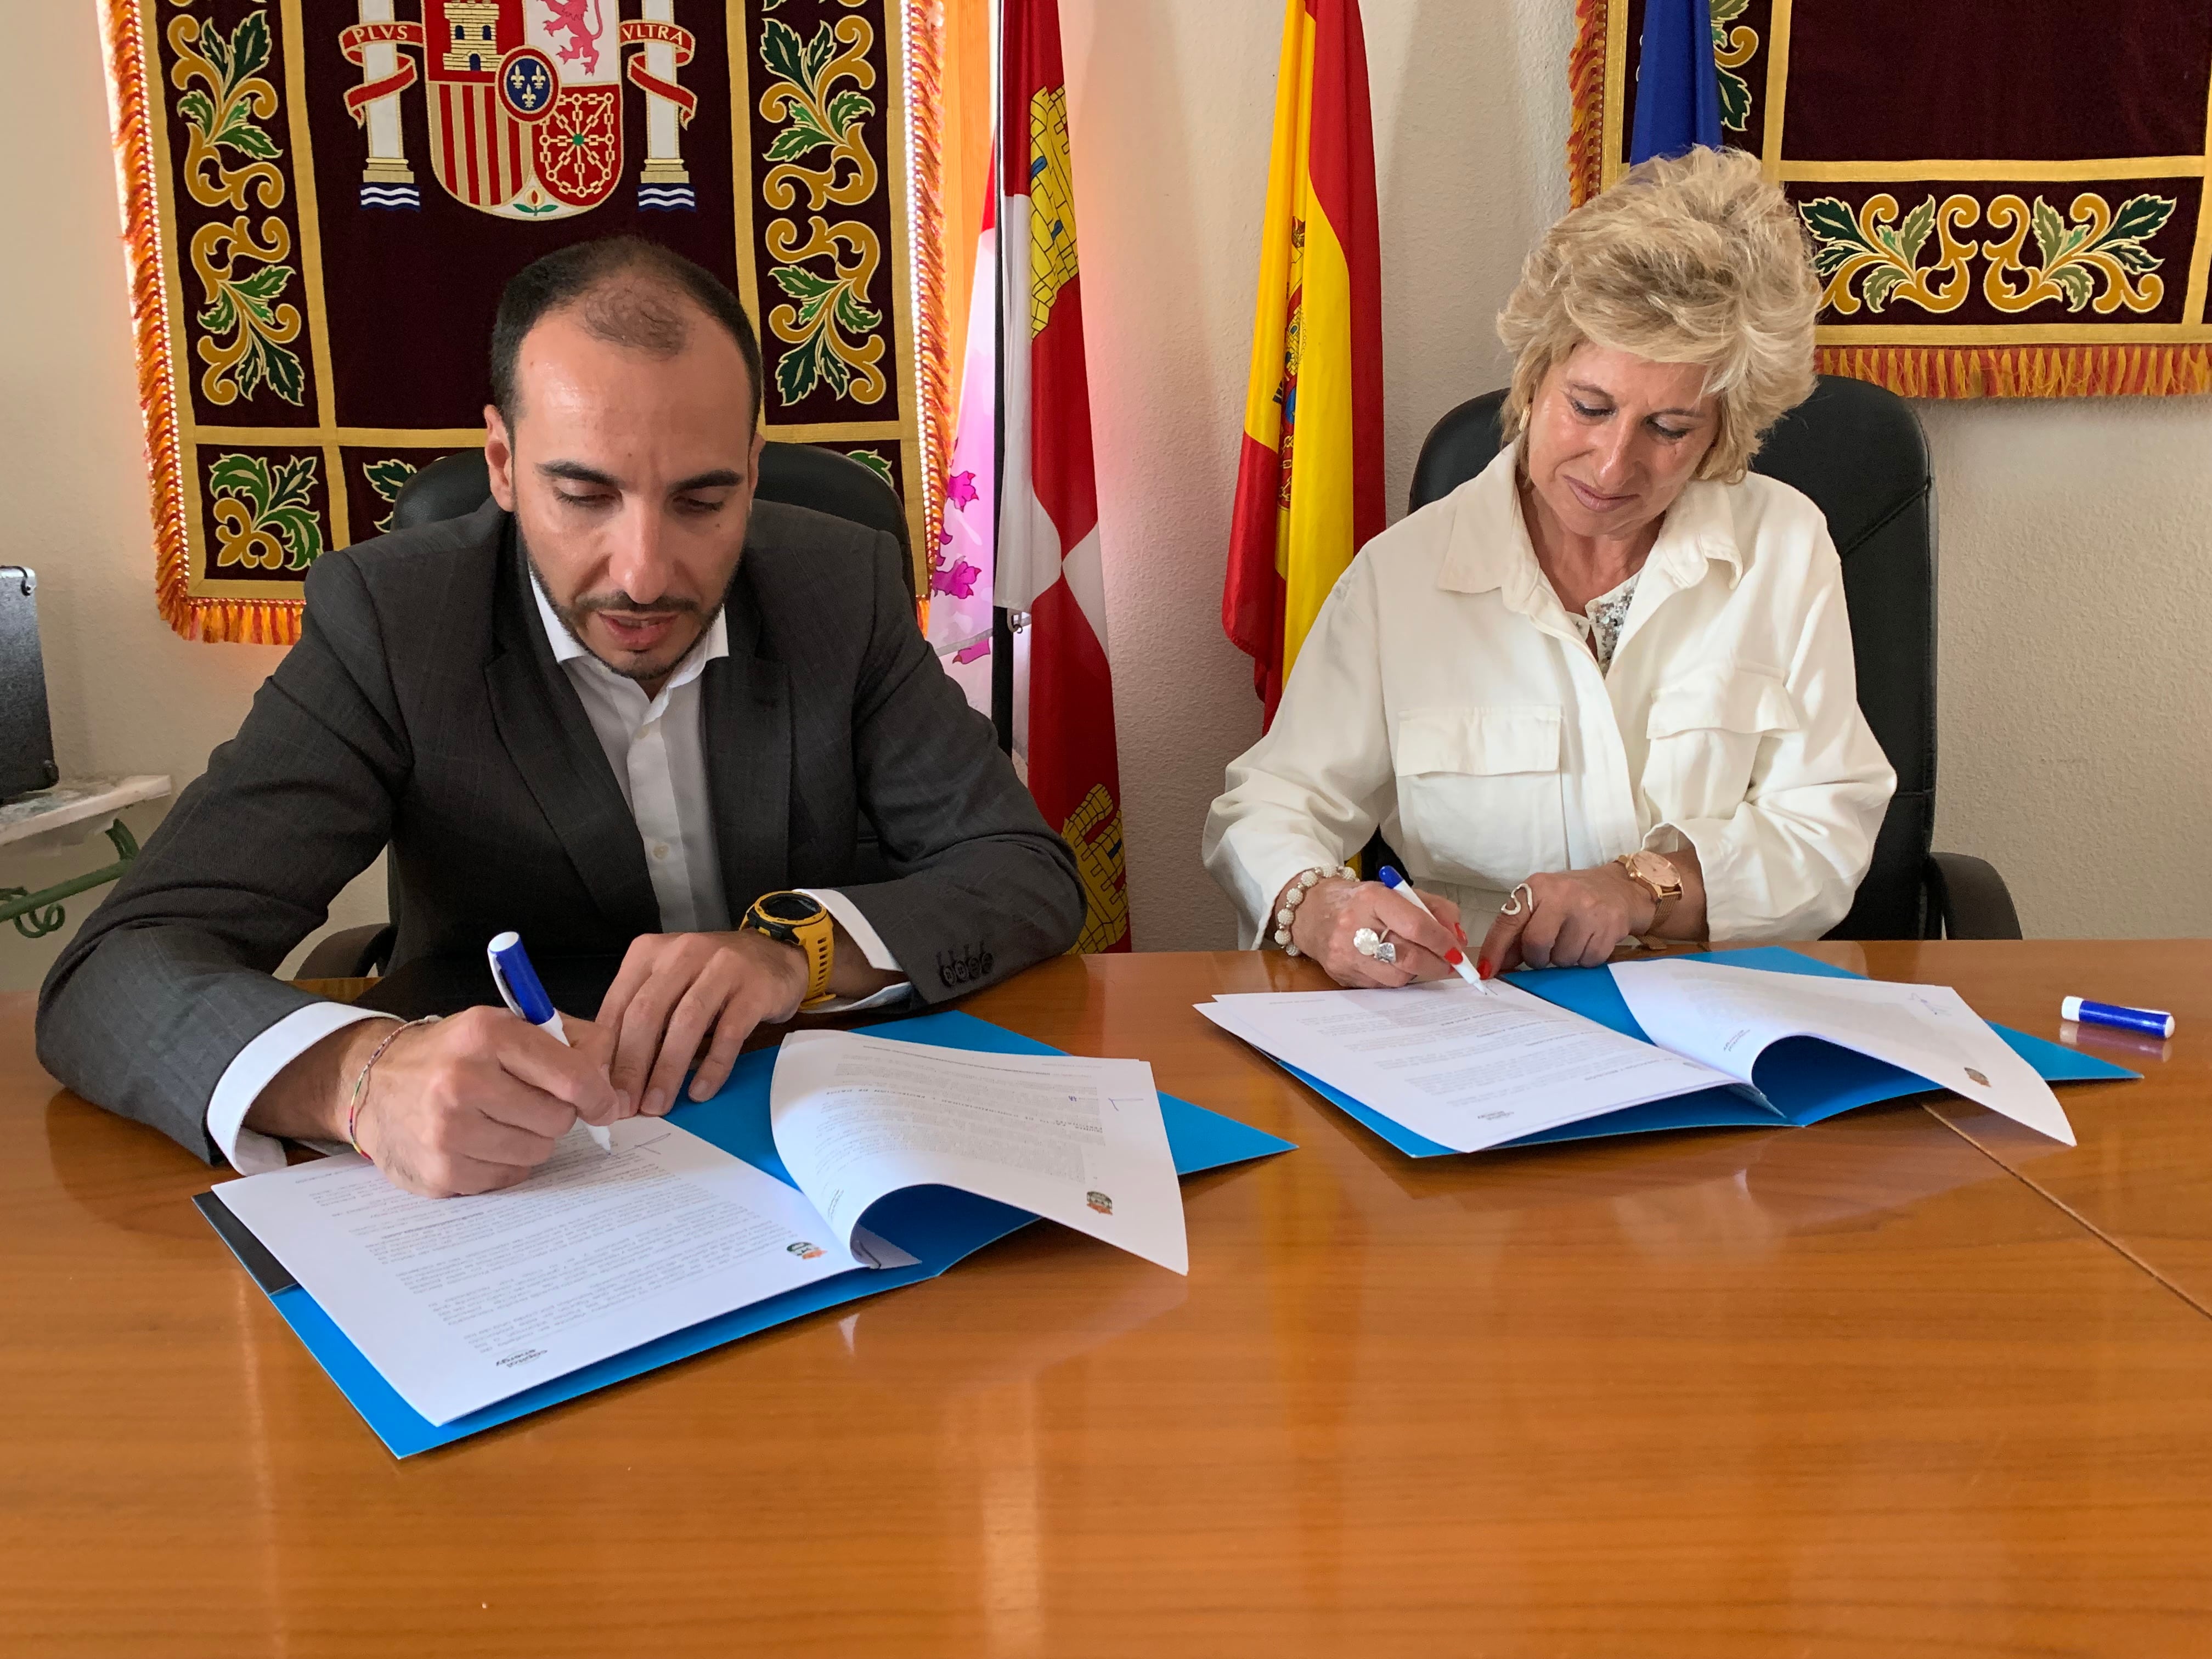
column 1099, row 1202
column 1977, row 1077
column 803, row 1250
column 525, row 101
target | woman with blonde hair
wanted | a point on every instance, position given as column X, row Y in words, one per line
column 1605, row 688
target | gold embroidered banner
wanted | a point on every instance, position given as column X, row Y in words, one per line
column 2003, row 201
column 323, row 198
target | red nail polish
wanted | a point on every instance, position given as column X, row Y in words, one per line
column 1454, row 957
column 1462, row 932
column 1482, row 969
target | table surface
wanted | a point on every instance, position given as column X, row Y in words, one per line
column 1903, row 1382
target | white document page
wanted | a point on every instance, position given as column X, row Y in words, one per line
column 1726, row 1017
column 461, row 1301
column 1467, row 1069
column 1076, row 1141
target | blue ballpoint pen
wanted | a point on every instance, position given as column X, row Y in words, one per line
column 1404, row 888
column 525, row 996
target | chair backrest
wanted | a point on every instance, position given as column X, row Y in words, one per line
column 1856, row 450
column 797, row 475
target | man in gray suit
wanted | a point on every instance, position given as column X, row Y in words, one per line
column 610, row 709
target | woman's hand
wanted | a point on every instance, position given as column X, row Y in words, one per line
column 1571, row 919
column 1332, row 912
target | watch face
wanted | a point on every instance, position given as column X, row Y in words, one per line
column 793, row 908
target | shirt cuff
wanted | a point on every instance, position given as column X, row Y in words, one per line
column 253, row 1068
column 883, row 999
column 846, row 915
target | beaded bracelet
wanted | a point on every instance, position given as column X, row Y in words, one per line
column 1294, row 895
column 360, row 1082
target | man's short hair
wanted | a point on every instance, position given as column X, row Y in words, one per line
column 627, row 291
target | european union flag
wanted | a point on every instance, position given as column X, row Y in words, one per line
column 1678, row 91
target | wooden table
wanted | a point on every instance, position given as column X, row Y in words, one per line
column 1901, row 1384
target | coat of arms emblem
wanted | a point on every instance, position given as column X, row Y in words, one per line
column 524, row 100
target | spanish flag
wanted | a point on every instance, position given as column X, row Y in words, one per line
column 1309, row 483
column 1049, row 568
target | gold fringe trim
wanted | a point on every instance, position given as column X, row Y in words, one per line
column 1586, row 103
column 255, row 621
column 2038, row 371
column 925, row 92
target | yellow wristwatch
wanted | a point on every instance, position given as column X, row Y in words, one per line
column 795, row 919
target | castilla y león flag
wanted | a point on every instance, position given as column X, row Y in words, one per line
column 1048, row 561
column 1310, row 483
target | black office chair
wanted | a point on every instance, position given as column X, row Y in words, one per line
column 797, row 475
column 1857, row 451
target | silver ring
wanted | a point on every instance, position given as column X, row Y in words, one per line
column 1520, row 902
column 1387, row 954
column 1368, row 943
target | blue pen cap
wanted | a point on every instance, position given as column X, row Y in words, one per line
column 1389, row 878
column 512, row 962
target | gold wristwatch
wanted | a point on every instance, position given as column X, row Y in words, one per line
column 1658, row 878
column 795, row 919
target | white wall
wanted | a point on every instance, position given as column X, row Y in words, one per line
column 2075, row 591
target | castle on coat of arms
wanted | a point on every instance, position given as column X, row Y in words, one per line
column 524, row 102
column 473, row 27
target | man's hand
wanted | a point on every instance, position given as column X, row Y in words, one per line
column 477, row 1102
column 1334, row 910
column 677, row 991
column 471, row 1104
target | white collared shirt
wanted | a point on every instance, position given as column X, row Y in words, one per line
column 1445, row 695
column 656, row 747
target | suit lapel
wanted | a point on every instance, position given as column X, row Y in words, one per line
column 745, row 726
column 542, row 723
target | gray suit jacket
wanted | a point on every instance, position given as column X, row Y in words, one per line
column 423, row 709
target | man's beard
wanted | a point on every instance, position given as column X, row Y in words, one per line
column 573, row 617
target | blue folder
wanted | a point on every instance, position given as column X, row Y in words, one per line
column 937, row 1224
column 1807, row 1079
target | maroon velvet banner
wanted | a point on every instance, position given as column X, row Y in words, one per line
column 325, row 196
column 2003, row 201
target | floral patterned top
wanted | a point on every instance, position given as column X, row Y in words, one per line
column 1601, row 618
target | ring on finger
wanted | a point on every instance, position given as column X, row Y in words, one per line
column 1369, row 942
column 1387, row 954
column 1520, row 903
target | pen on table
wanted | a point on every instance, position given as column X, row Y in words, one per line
column 1398, row 884
column 524, row 997
column 2156, row 1021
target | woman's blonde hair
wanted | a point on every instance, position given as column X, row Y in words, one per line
column 1694, row 259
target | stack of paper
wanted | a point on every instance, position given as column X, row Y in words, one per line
column 459, row 1304
column 1697, row 1042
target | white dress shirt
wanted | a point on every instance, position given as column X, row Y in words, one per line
column 1445, row 695
column 656, row 747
